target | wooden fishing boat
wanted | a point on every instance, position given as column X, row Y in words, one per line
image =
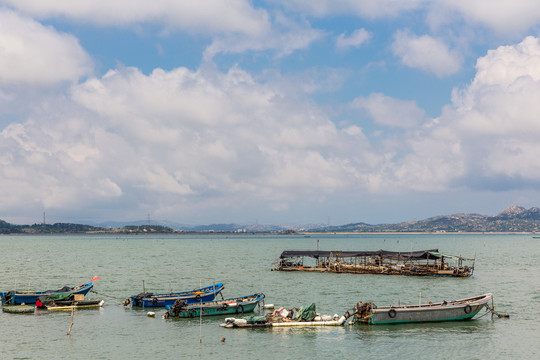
column 72, row 304
column 305, row 317
column 18, row 309
column 463, row 309
column 30, row 297
column 238, row 305
column 147, row 299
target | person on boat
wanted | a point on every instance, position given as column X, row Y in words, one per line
column 39, row 304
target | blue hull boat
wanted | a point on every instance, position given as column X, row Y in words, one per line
column 30, row 297
column 204, row 294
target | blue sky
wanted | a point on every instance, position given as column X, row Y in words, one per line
column 267, row 111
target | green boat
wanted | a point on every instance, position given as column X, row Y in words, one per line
column 237, row 305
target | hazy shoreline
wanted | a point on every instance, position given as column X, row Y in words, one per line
column 310, row 233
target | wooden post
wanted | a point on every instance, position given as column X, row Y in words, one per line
column 200, row 316
column 144, row 291
column 200, row 322
column 70, row 325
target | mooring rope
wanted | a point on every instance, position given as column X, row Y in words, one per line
column 485, row 313
column 493, row 312
column 109, row 296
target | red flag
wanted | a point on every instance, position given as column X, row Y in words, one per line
column 96, row 278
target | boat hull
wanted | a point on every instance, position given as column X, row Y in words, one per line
column 205, row 294
column 464, row 309
column 232, row 323
column 222, row 307
column 69, row 305
column 30, row 297
column 339, row 322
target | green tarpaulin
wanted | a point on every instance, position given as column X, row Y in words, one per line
column 255, row 319
column 306, row 313
column 54, row 297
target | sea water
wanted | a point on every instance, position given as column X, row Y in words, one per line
column 506, row 265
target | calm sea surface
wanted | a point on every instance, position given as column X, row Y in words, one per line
column 507, row 266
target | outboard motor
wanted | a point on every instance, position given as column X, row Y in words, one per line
column 138, row 298
column 7, row 297
column 178, row 306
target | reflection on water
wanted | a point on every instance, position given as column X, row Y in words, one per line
column 419, row 329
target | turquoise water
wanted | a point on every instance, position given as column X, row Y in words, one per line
column 507, row 266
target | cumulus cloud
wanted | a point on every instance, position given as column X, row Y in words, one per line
column 389, row 111
column 184, row 140
column 357, row 38
column 33, row 54
column 425, row 53
column 488, row 137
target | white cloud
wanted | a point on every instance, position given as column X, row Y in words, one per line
column 488, row 138
column 33, row 54
column 285, row 37
column 357, row 38
column 201, row 16
column 389, row 111
column 425, row 53
column 362, row 8
column 503, row 16
column 505, row 65
column 235, row 26
column 180, row 141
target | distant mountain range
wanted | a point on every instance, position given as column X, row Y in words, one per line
column 512, row 219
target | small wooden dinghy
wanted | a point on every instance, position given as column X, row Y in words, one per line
column 18, row 309
column 69, row 305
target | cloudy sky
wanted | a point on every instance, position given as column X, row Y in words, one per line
column 268, row 111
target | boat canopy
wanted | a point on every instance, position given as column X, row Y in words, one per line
column 439, row 255
column 397, row 255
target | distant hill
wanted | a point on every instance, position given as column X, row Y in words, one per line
column 230, row 227
column 512, row 219
column 58, row 228
column 68, row 228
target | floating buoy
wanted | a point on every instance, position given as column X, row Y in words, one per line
column 269, row 306
column 222, row 339
column 151, row 314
